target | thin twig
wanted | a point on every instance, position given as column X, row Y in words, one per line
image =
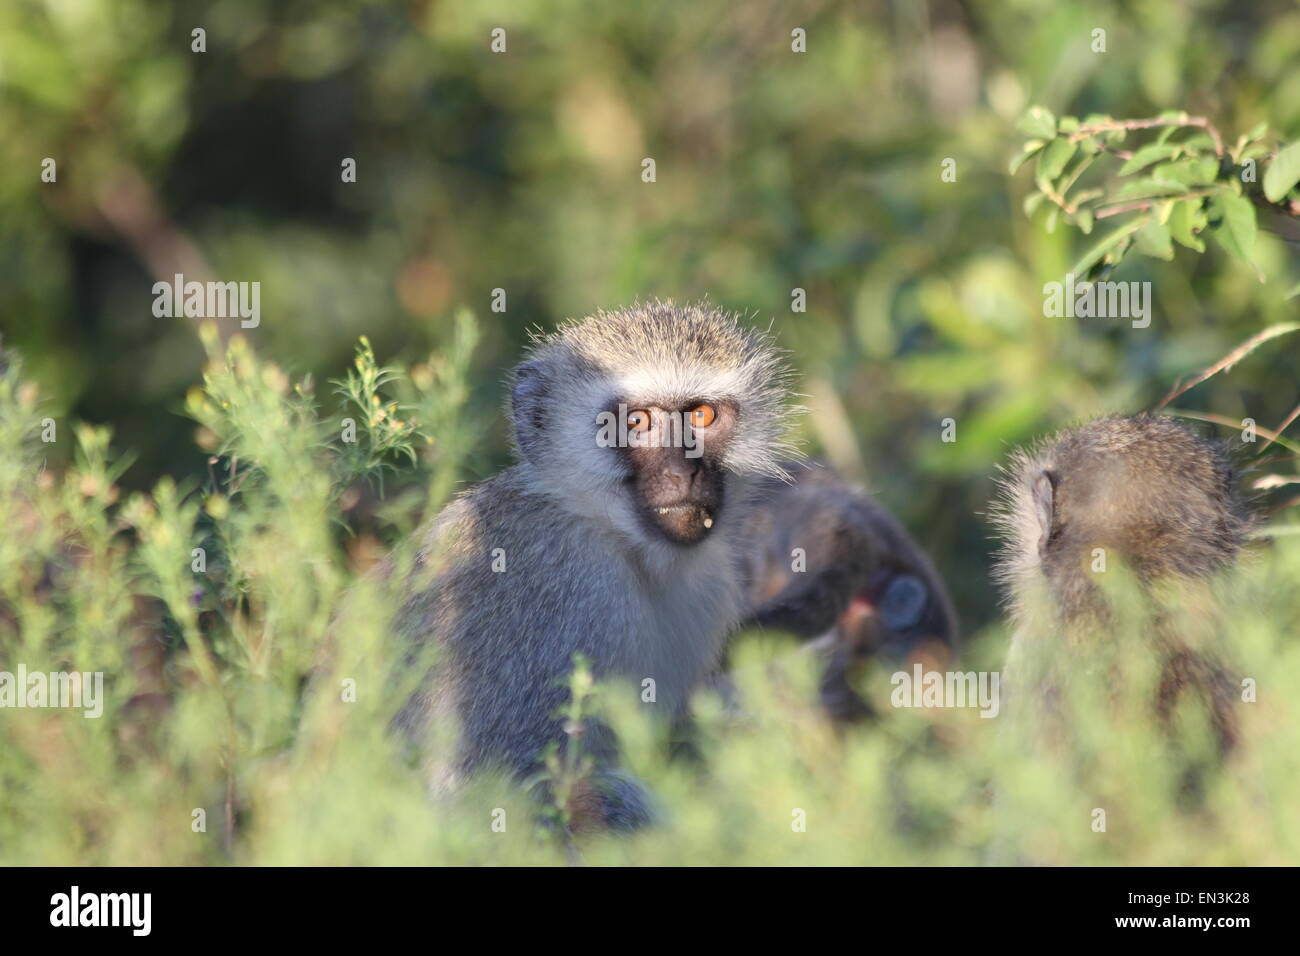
column 1295, row 413
column 1121, row 153
column 1229, row 360
column 1056, row 197
column 1104, row 211
column 1227, row 422
column 1083, row 132
column 1268, row 482
column 1289, row 503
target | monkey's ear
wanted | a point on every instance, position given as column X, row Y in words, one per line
column 528, row 389
column 1044, row 494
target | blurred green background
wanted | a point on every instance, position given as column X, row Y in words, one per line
column 521, row 171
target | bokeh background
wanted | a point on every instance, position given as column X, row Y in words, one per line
column 776, row 170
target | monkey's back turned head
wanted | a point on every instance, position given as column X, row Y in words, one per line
column 1143, row 490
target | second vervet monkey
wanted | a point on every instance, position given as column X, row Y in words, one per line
column 832, row 565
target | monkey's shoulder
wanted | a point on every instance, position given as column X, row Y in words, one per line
column 505, row 512
column 501, row 540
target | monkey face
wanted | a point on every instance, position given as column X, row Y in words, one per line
column 675, row 456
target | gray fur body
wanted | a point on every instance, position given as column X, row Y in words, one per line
column 583, row 574
column 509, row 638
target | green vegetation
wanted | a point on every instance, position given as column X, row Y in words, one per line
column 1179, row 185
column 230, row 686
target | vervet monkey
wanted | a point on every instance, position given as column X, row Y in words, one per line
column 831, row 564
column 1141, row 493
column 641, row 436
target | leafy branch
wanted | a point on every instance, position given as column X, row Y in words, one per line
column 381, row 430
column 1173, row 174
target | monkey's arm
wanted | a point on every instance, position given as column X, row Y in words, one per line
column 809, row 608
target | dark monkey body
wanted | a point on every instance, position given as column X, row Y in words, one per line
column 831, row 565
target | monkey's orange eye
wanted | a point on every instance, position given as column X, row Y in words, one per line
column 638, row 421
column 702, row 416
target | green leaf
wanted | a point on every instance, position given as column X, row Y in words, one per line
column 1111, row 248
column 1147, row 155
column 1190, row 171
column 1186, row 219
column 1283, row 173
column 1200, row 142
column 1038, row 123
column 1150, row 186
column 1236, row 228
column 1153, row 240
column 1032, row 202
column 1083, row 219
column 1053, row 159
column 1031, row 147
column 1256, row 131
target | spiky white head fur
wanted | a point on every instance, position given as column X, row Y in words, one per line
column 658, row 355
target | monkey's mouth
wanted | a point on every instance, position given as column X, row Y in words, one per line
column 682, row 523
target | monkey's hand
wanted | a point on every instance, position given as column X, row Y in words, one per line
column 612, row 800
column 809, row 608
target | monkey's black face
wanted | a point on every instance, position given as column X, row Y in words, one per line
column 677, row 478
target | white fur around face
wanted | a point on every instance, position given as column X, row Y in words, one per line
column 656, row 356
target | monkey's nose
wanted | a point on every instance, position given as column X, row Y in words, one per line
column 679, row 483
column 684, row 475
